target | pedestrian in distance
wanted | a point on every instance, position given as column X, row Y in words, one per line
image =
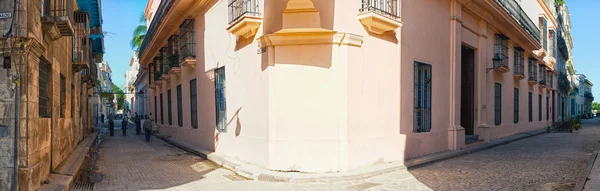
column 138, row 120
column 148, row 127
column 111, row 125
column 102, row 118
column 124, row 126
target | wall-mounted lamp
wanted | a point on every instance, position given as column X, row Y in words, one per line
column 496, row 61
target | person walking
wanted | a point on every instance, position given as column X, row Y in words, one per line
column 137, row 121
column 124, row 126
column 148, row 127
column 102, row 118
column 111, row 125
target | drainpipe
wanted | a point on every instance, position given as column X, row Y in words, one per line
column 16, row 138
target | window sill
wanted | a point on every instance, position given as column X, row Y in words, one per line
column 377, row 23
column 246, row 26
column 175, row 71
column 519, row 76
column 501, row 69
column 188, row 62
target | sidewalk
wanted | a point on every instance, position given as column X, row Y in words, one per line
column 591, row 182
column 130, row 163
column 257, row 173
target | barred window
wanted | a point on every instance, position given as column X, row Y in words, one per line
column 220, row 100
column 422, row 98
column 532, row 69
column 169, row 108
column 194, row 103
column 162, row 116
column 547, row 108
column 45, row 90
column 530, row 107
column 187, row 44
column 540, row 107
column 501, row 48
column 63, row 100
column 519, row 66
column 497, row 103
column 516, row 105
column 544, row 32
column 179, row 107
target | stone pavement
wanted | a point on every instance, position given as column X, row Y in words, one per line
column 545, row 162
column 130, row 163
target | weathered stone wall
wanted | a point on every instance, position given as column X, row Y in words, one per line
column 43, row 142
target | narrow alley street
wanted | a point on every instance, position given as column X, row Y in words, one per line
column 130, row 163
column 545, row 162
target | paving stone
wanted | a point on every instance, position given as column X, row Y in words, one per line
column 546, row 162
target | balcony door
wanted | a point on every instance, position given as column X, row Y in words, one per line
column 467, row 88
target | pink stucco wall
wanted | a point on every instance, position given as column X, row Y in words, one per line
column 326, row 108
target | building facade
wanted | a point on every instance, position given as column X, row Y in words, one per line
column 129, row 86
column 107, row 97
column 45, row 89
column 327, row 86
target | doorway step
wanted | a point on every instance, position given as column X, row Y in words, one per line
column 469, row 139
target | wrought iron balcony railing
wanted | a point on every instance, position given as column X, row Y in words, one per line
column 514, row 9
column 241, row 8
column 187, row 42
column 385, row 7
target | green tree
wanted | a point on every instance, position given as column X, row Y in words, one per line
column 139, row 33
column 120, row 96
column 595, row 106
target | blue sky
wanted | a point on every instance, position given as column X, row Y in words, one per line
column 120, row 18
column 586, row 42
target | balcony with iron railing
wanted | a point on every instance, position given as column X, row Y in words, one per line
column 380, row 16
column 532, row 76
column 57, row 18
column 244, row 17
column 513, row 8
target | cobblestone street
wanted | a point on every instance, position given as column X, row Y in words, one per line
column 545, row 162
column 130, row 163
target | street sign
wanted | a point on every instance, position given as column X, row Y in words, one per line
column 5, row 15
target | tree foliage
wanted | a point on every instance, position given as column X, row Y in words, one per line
column 120, row 96
column 595, row 106
column 139, row 33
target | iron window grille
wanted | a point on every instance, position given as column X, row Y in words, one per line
column 544, row 32
column 422, row 97
column 63, row 100
column 385, row 7
column 542, row 75
column 552, row 46
column 162, row 109
column 173, row 51
column 532, row 69
column 519, row 67
column 179, row 107
column 169, row 108
column 186, row 40
column 501, row 48
column 45, row 90
column 157, row 68
column 194, row 103
column 530, row 107
column 540, row 107
column 514, row 9
column 73, row 101
column 516, row 105
column 155, row 110
column 241, row 8
column 220, row 100
column 547, row 108
column 497, row 103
